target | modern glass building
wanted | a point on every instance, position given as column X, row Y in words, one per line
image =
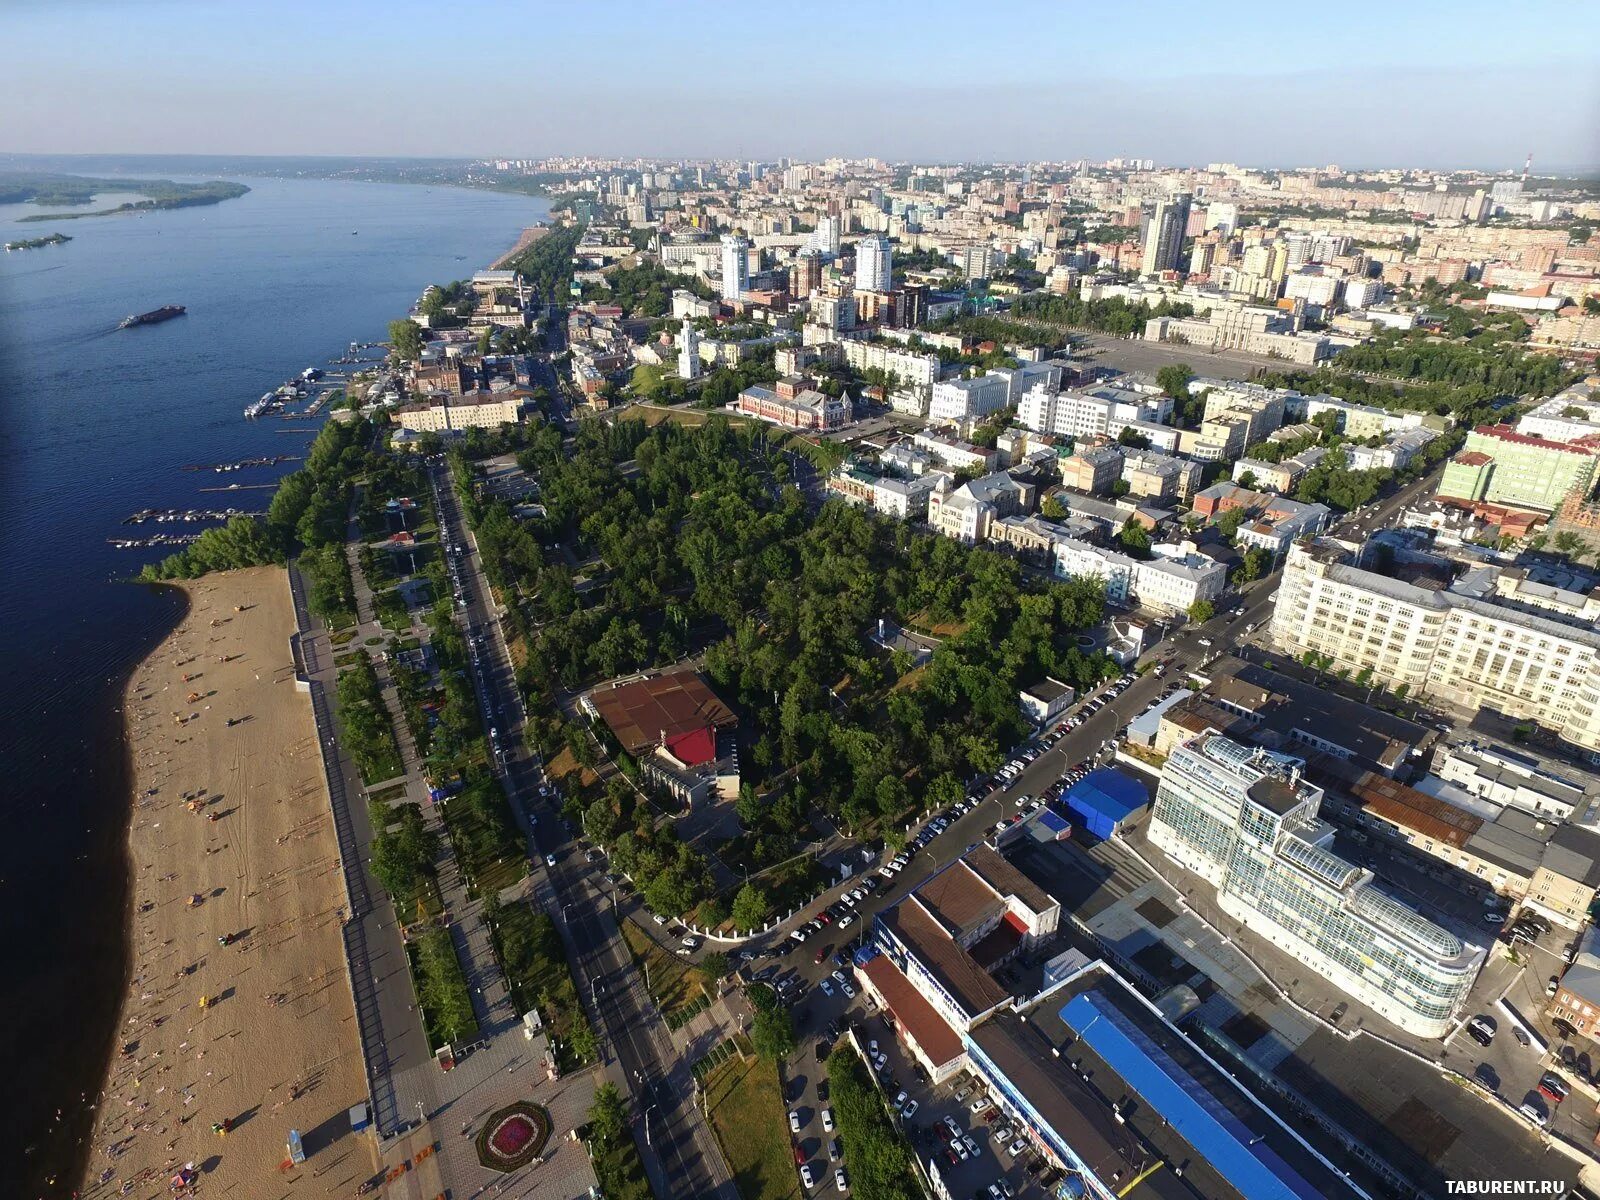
column 1245, row 820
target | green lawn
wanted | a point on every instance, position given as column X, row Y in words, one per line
column 485, row 839
column 442, row 989
column 747, row 1114
column 531, row 954
column 674, row 987
column 620, row 1171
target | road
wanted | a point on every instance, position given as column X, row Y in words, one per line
column 678, row 1149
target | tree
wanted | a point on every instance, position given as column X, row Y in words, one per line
column 1135, row 538
column 1254, row 565
column 772, row 1032
column 1247, row 479
column 1201, row 611
column 406, row 338
column 1052, row 509
column 750, row 907
column 608, row 1115
column 1174, row 380
column 1133, row 438
column 714, row 966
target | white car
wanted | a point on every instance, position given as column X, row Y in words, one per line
column 839, row 1180
column 794, row 1121
column 900, row 1100
column 690, row 943
column 658, row 918
column 910, row 1110
column 960, row 1148
column 981, row 1103
column 847, row 920
column 849, row 992
column 827, row 987
column 807, row 1179
column 972, row 1146
column 950, row 1122
column 1016, row 1147
column 827, row 1120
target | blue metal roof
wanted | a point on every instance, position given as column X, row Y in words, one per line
column 1109, row 792
column 1238, row 1154
column 1053, row 821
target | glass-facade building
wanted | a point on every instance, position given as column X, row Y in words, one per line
column 1246, row 821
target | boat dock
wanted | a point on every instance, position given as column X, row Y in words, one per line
column 162, row 515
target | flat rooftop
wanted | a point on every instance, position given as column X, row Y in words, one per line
column 1180, row 1108
column 921, row 933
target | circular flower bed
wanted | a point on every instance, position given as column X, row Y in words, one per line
column 513, row 1137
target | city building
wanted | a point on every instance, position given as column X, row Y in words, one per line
column 1163, row 238
column 960, row 401
column 735, row 267
column 1245, row 820
column 452, row 414
column 874, row 264
column 1512, row 779
column 1474, row 640
column 1500, row 465
column 1092, row 469
column 977, row 263
column 967, row 512
column 1166, row 583
column 675, row 727
column 801, row 409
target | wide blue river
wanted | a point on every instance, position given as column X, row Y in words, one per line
column 96, row 423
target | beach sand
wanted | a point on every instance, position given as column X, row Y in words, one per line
column 276, row 1048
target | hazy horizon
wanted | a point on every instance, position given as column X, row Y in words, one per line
column 1466, row 86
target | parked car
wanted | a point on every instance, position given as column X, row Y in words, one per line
column 839, row 1180
column 1481, row 1030
column 827, row 1120
column 807, row 1180
column 981, row 1103
column 794, row 1121
column 1532, row 1111
column 910, row 1110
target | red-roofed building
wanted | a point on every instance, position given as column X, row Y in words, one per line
column 679, row 731
column 926, row 1034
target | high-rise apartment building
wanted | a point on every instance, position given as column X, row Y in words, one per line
column 977, row 262
column 735, row 267
column 1245, row 820
column 1163, row 242
column 825, row 238
column 805, row 276
column 874, row 264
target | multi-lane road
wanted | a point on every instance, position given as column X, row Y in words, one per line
column 679, row 1151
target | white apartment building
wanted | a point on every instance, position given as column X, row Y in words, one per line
column 913, row 369
column 1461, row 644
column 735, row 267
column 455, row 413
column 957, row 401
column 874, row 264
column 1166, row 584
column 1099, row 412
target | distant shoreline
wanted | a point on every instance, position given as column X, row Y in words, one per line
column 139, row 206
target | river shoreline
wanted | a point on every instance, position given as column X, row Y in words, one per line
column 236, row 898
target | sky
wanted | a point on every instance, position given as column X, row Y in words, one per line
column 1358, row 83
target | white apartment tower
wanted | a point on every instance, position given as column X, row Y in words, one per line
column 735, row 267
column 874, row 264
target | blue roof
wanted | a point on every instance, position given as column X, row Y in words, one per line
column 1109, row 792
column 1236, row 1152
column 1053, row 821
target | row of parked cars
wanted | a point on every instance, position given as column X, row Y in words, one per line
column 838, row 915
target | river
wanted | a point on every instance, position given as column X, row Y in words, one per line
column 95, row 423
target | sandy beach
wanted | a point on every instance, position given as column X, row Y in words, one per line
column 231, row 838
